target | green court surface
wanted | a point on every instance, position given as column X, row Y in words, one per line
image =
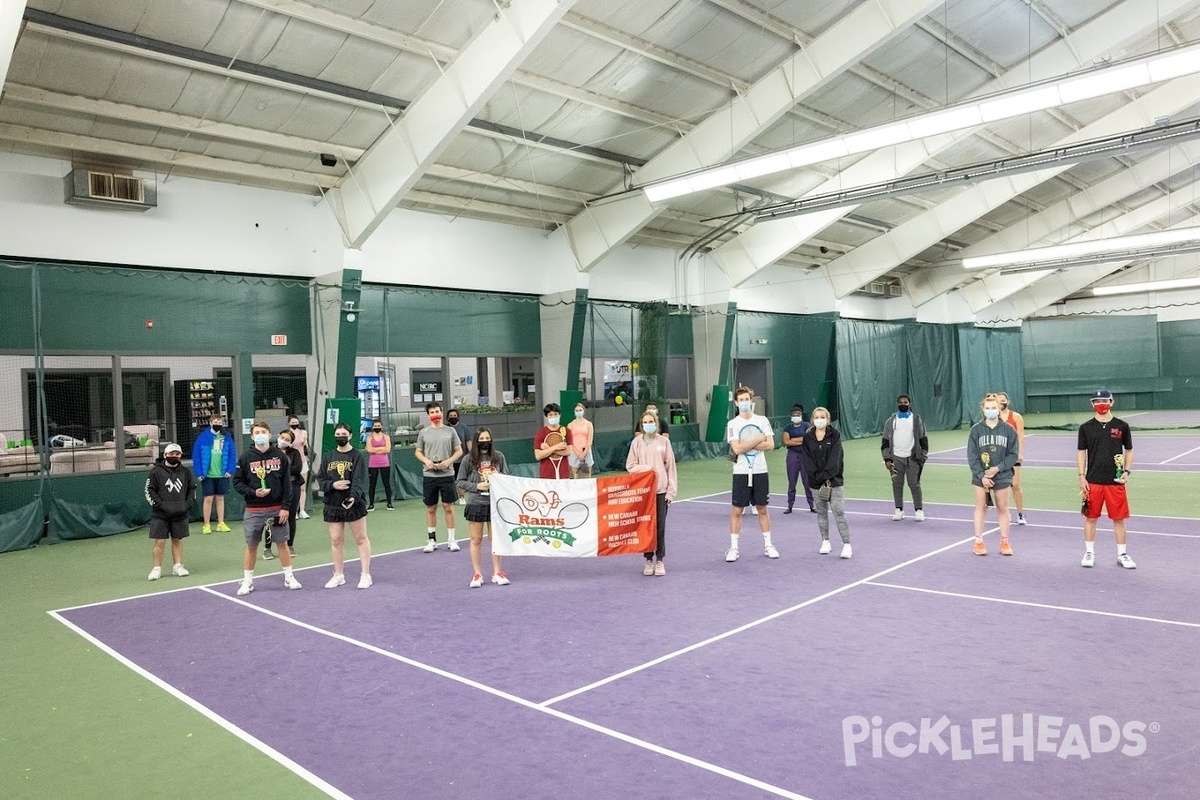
column 76, row 723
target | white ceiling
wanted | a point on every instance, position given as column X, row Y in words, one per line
column 254, row 91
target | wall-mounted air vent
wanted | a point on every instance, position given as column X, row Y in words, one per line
column 84, row 187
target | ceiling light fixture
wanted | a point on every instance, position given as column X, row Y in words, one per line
column 1147, row 286
column 1139, row 245
column 1097, row 82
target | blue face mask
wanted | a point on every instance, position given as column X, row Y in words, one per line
column 649, row 427
column 745, row 406
column 796, row 420
column 579, row 413
column 991, row 413
column 552, row 422
column 261, row 439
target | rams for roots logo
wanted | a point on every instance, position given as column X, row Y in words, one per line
column 541, row 518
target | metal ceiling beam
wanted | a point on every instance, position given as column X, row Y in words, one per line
column 762, row 244
column 605, row 225
column 394, row 163
column 12, row 12
column 923, row 286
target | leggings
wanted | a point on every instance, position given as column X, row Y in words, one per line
column 838, row 503
column 385, row 473
column 661, row 519
column 796, row 468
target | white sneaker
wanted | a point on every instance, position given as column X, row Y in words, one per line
column 1125, row 561
column 847, row 551
column 898, row 515
column 1021, row 519
column 429, row 547
column 753, row 511
column 770, row 552
column 1089, row 559
column 453, row 547
column 245, row 588
column 364, row 581
column 500, row 579
column 155, row 574
column 476, row 581
column 826, row 547
column 731, row 555
column 302, row 515
column 337, row 580
column 180, row 570
column 290, row 582
column 919, row 515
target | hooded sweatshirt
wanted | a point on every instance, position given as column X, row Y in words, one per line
column 824, row 458
column 170, row 490
column 256, row 468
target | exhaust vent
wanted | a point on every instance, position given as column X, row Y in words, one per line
column 83, row 187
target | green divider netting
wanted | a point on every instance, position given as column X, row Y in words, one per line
column 990, row 360
column 872, row 368
column 934, row 381
column 21, row 528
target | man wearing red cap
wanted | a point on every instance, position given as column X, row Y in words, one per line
column 1105, row 457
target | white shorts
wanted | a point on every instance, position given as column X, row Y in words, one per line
column 575, row 463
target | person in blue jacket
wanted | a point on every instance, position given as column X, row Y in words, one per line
column 214, row 457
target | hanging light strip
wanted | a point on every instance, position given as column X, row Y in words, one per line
column 1147, row 286
column 1119, row 77
column 1140, row 245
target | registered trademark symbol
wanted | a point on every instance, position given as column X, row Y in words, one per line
column 1155, row 727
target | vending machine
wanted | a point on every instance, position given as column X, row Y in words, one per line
column 369, row 391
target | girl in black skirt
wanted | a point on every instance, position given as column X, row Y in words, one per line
column 342, row 477
column 473, row 474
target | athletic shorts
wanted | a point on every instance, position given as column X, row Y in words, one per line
column 575, row 463
column 217, row 486
column 757, row 495
column 478, row 513
column 1107, row 495
column 168, row 528
column 253, row 523
column 440, row 486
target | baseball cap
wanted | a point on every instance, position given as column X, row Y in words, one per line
column 172, row 448
column 1102, row 394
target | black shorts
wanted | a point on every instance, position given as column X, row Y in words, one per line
column 168, row 528
column 334, row 512
column 757, row 495
column 444, row 486
column 478, row 513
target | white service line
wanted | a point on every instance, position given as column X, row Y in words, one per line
column 1036, row 605
column 254, row 742
column 1181, row 455
column 755, row 623
column 529, row 704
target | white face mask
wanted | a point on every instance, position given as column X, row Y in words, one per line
column 820, row 422
column 261, row 439
column 991, row 413
column 283, row 444
column 745, row 406
column 796, row 420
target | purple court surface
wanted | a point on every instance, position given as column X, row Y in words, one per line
column 914, row 669
column 1157, row 452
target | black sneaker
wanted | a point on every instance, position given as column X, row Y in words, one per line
column 391, row 507
column 268, row 555
column 789, row 510
column 371, row 507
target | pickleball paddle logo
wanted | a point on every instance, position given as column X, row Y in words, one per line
column 541, row 518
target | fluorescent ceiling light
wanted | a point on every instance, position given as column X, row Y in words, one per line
column 961, row 116
column 1148, row 286
column 1090, row 247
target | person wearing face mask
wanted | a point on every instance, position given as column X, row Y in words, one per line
column 474, row 474
column 263, row 477
column 342, row 476
column 287, row 445
column 552, row 457
column 454, row 420
column 751, row 482
column 793, row 440
column 1105, row 459
column 214, row 456
column 379, row 464
column 664, row 428
column 438, row 448
column 583, row 433
column 652, row 452
column 825, row 459
column 1018, row 422
column 905, row 448
column 992, row 450
column 300, row 443
column 170, row 490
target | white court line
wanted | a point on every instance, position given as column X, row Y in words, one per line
column 1048, row 606
column 512, row 698
column 741, row 628
column 1181, row 455
column 254, row 742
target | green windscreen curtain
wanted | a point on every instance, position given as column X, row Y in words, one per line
column 934, row 382
column 21, row 528
column 872, row 368
column 990, row 361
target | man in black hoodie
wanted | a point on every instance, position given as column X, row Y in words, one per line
column 170, row 490
column 262, row 476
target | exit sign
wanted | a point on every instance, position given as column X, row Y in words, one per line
column 279, row 340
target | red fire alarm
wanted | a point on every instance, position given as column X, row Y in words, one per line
column 149, row 323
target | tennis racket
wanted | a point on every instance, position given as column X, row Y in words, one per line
column 553, row 439
column 750, row 431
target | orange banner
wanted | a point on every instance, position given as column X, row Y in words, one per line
column 627, row 514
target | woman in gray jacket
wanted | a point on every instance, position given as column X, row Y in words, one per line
column 474, row 472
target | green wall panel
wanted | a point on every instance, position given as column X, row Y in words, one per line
column 1110, row 350
column 801, row 349
column 1180, row 348
column 438, row 322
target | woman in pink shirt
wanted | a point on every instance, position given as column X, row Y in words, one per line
column 582, row 433
column 651, row 452
column 379, row 448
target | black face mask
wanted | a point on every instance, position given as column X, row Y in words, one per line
column 452, row 420
column 294, row 427
column 485, row 447
column 376, row 430
column 171, row 462
column 217, row 428
column 904, row 408
column 342, row 441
